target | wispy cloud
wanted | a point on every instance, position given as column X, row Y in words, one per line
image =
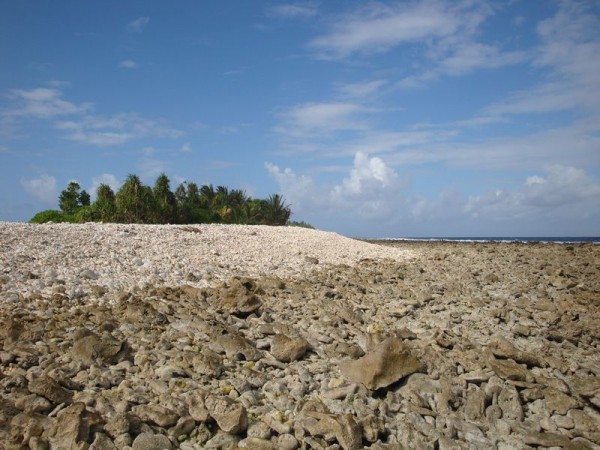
column 186, row 148
column 128, row 64
column 301, row 10
column 116, row 129
column 377, row 28
column 327, row 117
column 76, row 122
column 442, row 32
column 360, row 90
column 42, row 187
column 151, row 168
column 570, row 51
column 138, row 25
column 43, row 103
column 105, row 178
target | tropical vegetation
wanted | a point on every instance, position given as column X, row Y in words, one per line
column 135, row 202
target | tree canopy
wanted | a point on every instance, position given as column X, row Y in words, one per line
column 135, row 202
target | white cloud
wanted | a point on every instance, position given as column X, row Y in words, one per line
column 116, row 129
column 42, row 187
column 366, row 173
column 562, row 197
column 378, row 27
column 128, row 64
column 299, row 190
column 470, row 56
column 43, row 103
column 138, row 25
column 361, row 90
column 294, row 10
column 570, row 51
column 186, row 148
column 442, row 32
column 562, row 193
column 310, row 118
column 105, row 178
column 368, row 190
column 151, row 168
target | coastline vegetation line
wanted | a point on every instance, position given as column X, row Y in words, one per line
column 135, row 202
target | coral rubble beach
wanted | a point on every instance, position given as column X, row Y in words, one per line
column 217, row 336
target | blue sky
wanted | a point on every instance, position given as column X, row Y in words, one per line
column 406, row 118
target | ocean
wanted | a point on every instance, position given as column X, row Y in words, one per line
column 541, row 240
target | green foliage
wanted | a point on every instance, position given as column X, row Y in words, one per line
column 68, row 201
column 165, row 205
column 301, row 224
column 136, row 203
column 51, row 215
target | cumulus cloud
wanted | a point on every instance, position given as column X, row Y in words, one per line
column 42, row 187
column 138, row 25
column 373, row 194
column 299, row 190
column 366, row 175
column 562, row 192
column 367, row 190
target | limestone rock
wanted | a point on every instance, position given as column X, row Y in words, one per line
column 50, row 389
column 237, row 346
column 157, row 414
column 229, row 415
column 510, row 404
column 151, row 441
column 92, row 348
column 207, row 363
column 72, row 427
column 387, row 363
column 256, row 444
column 475, row 405
column 286, row 349
column 558, row 402
column 116, row 425
column 196, row 406
column 240, row 297
column 33, row 403
column 343, row 427
column 510, row 370
column 102, row 442
column 503, row 348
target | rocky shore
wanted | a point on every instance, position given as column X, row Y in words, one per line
column 166, row 337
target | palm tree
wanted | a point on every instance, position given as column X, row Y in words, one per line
column 276, row 212
column 164, row 200
column 134, row 201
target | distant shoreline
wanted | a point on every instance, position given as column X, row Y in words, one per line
column 489, row 240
